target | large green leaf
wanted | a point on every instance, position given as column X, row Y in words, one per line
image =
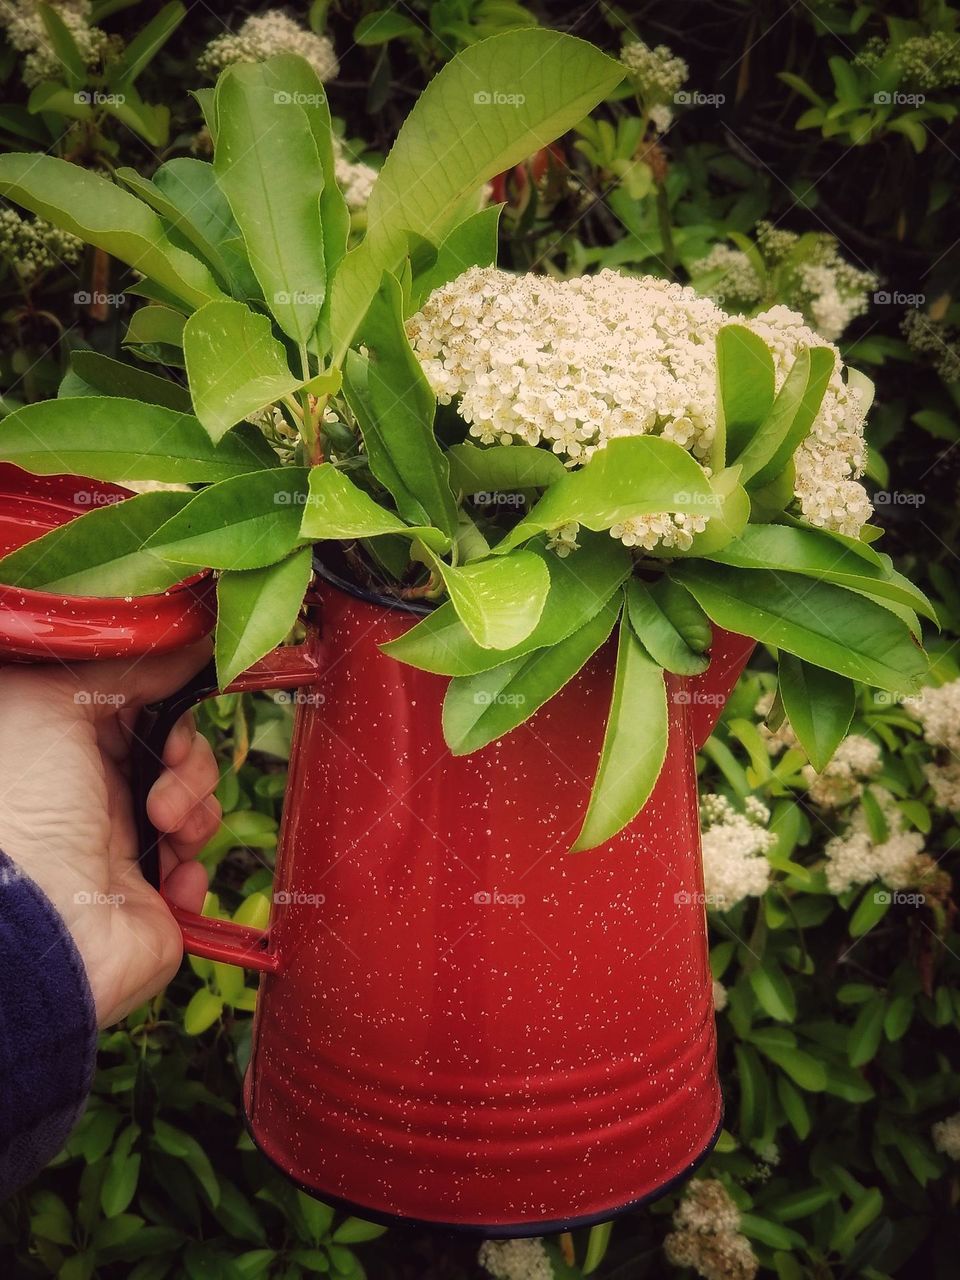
column 113, row 438
column 244, row 523
column 256, row 609
column 267, row 165
column 580, row 585
column 100, row 554
column 746, row 386
column 234, row 363
column 491, row 106
column 634, row 743
column 499, row 601
column 821, row 555
column 819, row 705
column 92, row 374
column 395, row 408
column 797, row 404
column 337, row 508
column 649, row 611
column 824, row 624
column 100, row 213
column 502, row 468
column 631, row 476
column 480, row 708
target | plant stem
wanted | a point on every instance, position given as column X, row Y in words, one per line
column 309, row 428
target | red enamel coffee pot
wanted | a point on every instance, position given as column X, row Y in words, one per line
column 459, row 1022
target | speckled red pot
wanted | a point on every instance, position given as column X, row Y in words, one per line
column 459, row 1022
column 39, row 626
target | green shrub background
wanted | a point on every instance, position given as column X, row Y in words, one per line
column 839, row 1032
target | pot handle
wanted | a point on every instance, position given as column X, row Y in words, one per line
column 284, row 668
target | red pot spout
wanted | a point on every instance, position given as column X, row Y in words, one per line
column 709, row 692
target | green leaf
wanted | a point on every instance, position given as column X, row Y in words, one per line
column 634, row 743
column 804, row 1070
column 383, row 25
column 819, row 705
column 794, row 1107
column 63, row 45
column 770, row 1233
column 499, row 601
column 728, row 509
column 819, row 554
column 490, row 107
column 147, row 43
column 101, row 214
column 113, row 438
column 186, row 1148
column 155, row 325
column 746, row 385
column 244, row 523
column 898, row 1017
column 502, row 468
column 256, row 609
column 866, row 1210
column 100, row 553
column 631, row 476
column 816, row 621
column 267, row 164
column 797, row 404
column 865, row 1034
column 481, row 708
column 357, row 1231
column 92, row 374
column 598, row 1242
column 648, row 610
column 580, row 584
column 234, row 363
column 337, row 508
column 202, row 1011
column 395, row 408
column 472, row 243
column 871, row 909
column 774, row 993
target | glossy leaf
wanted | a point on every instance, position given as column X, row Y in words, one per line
column 256, row 610
column 797, row 404
column 234, row 363
column 267, row 164
column 472, row 243
column 244, row 523
column 499, row 601
column 395, row 408
column 745, row 383
column 580, row 585
column 337, row 508
column 481, row 708
column 647, row 609
column 100, row 553
column 92, row 374
column 631, row 476
column 113, row 438
column 634, row 743
column 817, row 621
column 819, row 705
column 101, row 214
column 503, row 469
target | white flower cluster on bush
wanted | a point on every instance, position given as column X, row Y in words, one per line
column 706, row 1234
column 946, row 1136
column 576, row 363
column 657, row 74
column 354, row 178
column 32, row 245
column 516, row 1260
column 735, row 847
column 855, row 858
column 261, row 36
column 938, row 710
column 26, row 33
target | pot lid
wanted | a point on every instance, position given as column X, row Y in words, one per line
column 41, row 626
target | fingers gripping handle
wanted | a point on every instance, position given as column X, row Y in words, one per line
column 204, row 935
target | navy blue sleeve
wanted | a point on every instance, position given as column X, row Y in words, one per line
column 48, row 1030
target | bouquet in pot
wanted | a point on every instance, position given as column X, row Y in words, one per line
column 549, row 461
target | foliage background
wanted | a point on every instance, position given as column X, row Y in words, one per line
column 839, row 1038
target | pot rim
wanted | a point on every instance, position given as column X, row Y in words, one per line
column 419, row 608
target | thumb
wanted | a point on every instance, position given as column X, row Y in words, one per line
column 151, row 678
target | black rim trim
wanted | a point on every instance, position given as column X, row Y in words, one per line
column 323, row 571
column 499, row 1231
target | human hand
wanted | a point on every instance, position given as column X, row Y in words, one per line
column 66, row 814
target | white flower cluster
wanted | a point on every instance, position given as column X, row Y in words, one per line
column 576, row 363
column 938, row 710
column 657, row 74
column 822, row 286
column 706, row 1234
column 946, row 1136
column 32, row 245
column 354, row 178
column 26, row 33
column 855, row 760
column 938, row 339
column 944, row 781
column 734, row 848
column 719, row 996
column 261, row 36
column 854, row 858
column 516, row 1260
